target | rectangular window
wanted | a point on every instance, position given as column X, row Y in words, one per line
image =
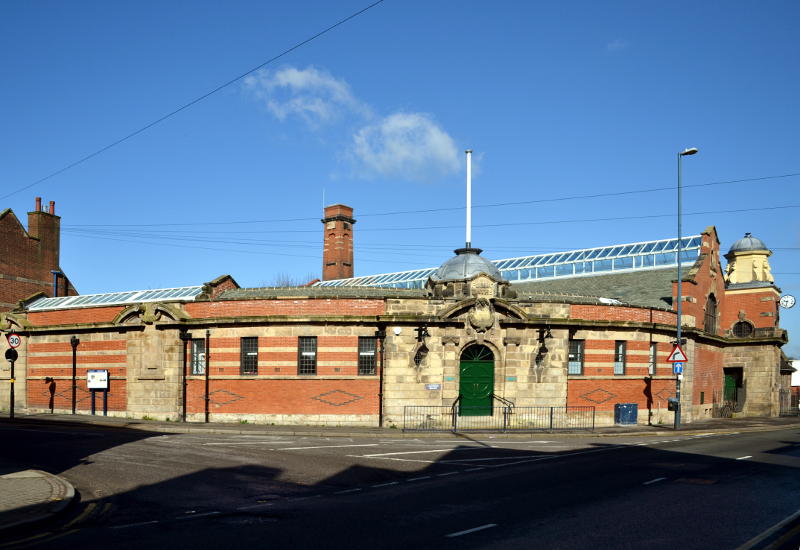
column 367, row 346
column 307, row 355
column 198, row 356
column 575, row 364
column 249, row 355
column 651, row 362
column 619, row 357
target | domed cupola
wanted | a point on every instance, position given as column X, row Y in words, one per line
column 748, row 264
column 748, row 243
column 465, row 265
column 468, row 274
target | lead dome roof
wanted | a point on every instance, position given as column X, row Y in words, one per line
column 748, row 242
column 464, row 265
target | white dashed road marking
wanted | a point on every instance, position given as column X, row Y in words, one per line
column 410, row 452
column 195, row 516
column 656, row 480
column 474, row 529
column 134, row 524
column 327, row 447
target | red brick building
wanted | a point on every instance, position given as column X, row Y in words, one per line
column 29, row 260
column 469, row 341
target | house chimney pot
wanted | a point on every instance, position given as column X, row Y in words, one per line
column 38, row 204
column 52, row 207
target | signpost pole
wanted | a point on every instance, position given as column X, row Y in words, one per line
column 208, row 369
column 11, row 355
column 184, row 337
column 679, row 341
column 105, row 402
column 680, row 301
column 11, row 396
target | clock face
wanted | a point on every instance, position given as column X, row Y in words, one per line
column 787, row 301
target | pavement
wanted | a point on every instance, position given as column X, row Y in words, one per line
column 35, row 496
column 32, row 496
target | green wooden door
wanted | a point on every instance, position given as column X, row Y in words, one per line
column 729, row 393
column 476, row 381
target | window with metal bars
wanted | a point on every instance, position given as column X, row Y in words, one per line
column 198, row 356
column 710, row 324
column 575, row 363
column 743, row 329
column 249, row 355
column 619, row 356
column 367, row 351
column 651, row 363
column 307, row 355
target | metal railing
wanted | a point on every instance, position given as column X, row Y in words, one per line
column 730, row 401
column 789, row 402
column 499, row 419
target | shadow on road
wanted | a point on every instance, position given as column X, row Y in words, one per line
column 598, row 494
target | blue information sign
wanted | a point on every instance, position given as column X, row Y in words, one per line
column 677, row 368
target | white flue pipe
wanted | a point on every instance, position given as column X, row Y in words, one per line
column 469, row 197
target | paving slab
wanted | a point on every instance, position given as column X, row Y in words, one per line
column 31, row 496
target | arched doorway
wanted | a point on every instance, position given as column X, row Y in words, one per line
column 476, row 381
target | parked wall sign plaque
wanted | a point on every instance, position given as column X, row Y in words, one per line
column 97, row 379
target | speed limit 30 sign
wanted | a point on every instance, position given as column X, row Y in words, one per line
column 14, row 340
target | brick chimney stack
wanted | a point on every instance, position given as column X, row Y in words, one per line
column 46, row 227
column 337, row 252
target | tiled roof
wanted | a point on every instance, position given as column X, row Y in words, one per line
column 651, row 288
column 319, row 292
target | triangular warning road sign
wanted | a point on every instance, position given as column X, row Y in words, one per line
column 677, row 355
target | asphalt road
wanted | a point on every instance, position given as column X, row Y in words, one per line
column 147, row 490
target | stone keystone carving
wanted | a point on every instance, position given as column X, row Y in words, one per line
column 482, row 315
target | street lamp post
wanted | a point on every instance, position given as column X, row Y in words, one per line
column 685, row 152
column 74, row 341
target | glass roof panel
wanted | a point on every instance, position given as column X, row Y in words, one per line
column 116, row 298
column 636, row 249
column 603, row 253
column 520, row 267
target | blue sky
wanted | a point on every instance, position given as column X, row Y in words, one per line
column 557, row 100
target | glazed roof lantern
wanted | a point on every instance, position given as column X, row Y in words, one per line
column 466, row 264
column 748, row 243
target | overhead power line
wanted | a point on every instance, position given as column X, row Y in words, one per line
column 590, row 196
column 189, row 104
column 510, row 224
column 444, row 209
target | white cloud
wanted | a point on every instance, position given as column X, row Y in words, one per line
column 313, row 95
column 409, row 145
column 616, row 45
